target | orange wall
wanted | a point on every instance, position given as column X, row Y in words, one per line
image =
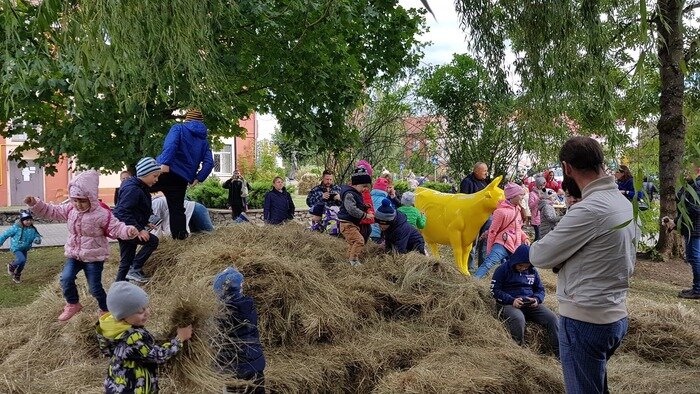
column 245, row 147
column 56, row 185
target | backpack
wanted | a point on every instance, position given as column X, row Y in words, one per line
column 105, row 228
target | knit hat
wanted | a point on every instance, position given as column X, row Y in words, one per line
column 317, row 210
column 521, row 255
column 512, row 190
column 381, row 184
column 408, row 198
column 540, row 181
column 360, row 177
column 193, row 114
column 25, row 215
column 125, row 298
column 365, row 164
column 550, row 194
column 385, row 213
column 228, row 283
column 146, row 166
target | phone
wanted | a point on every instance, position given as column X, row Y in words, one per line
column 528, row 301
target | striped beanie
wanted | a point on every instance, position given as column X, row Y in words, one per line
column 193, row 114
column 146, row 166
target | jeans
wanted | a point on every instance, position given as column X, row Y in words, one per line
column 20, row 260
column 174, row 188
column 129, row 260
column 93, row 274
column 498, row 253
column 479, row 248
column 585, row 349
column 516, row 317
column 692, row 255
column 200, row 220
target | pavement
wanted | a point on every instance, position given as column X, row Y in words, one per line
column 51, row 235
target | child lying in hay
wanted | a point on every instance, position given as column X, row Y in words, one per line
column 134, row 357
column 240, row 351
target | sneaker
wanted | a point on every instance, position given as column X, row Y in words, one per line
column 692, row 295
column 137, row 277
column 69, row 311
column 686, row 291
column 355, row 263
column 15, row 278
column 11, row 269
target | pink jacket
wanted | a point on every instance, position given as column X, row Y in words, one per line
column 534, row 204
column 87, row 241
column 506, row 220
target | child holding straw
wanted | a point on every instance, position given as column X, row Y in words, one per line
column 352, row 211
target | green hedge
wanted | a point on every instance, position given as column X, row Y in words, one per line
column 209, row 193
column 401, row 186
column 439, row 186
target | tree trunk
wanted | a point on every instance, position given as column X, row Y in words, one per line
column 671, row 124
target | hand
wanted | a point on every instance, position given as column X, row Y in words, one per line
column 151, row 226
column 535, row 304
column 526, row 241
column 325, row 195
column 164, row 168
column 132, row 231
column 30, row 200
column 184, row 333
column 144, row 235
column 194, row 182
column 518, row 303
column 369, row 216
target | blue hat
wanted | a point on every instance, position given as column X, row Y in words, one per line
column 385, row 213
column 228, row 282
column 521, row 255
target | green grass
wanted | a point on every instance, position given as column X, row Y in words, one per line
column 299, row 201
column 43, row 264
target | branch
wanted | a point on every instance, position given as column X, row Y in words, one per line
column 690, row 7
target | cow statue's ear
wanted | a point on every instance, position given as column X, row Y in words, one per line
column 487, row 195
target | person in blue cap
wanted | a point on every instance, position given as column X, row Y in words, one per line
column 240, row 352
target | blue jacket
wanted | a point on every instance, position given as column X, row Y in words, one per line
column 377, row 197
column 22, row 237
column 628, row 187
column 185, row 147
column 359, row 202
column 402, row 238
column 241, row 352
column 278, row 206
column 315, row 196
column 508, row 284
column 134, row 206
column 471, row 185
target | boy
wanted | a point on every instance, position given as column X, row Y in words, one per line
column 241, row 352
column 415, row 217
column 134, row 208
column 519, row 294
column 352, row 211
column 399, row 235
column 23, row 235
column 134, row 356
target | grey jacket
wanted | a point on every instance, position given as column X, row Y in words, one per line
column 548, row 216
column 598, row 256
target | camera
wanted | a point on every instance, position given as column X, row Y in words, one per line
column 528, row 301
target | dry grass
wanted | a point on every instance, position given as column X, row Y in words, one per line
column 396, row 324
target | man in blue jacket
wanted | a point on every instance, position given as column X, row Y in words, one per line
column 185, row 148
column 399, row 235
column 519, row 292
column 134, row 208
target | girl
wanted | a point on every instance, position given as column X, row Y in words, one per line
column 23, row 235
column 87, row 247
column 505, row 233
column 549, row 214
column 278, row 207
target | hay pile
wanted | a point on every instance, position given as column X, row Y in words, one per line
column 396, row 324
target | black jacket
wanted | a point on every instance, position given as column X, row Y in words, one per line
column 241, row 352
column 278, row 206
column 134, row 205
column 235, row 200
column 359, row 202
column 402, row 238
column 471, row 185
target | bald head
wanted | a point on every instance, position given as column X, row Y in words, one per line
column 480, row 171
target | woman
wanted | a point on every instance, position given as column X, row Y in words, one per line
column 278, row 206
column 237, row 193
column 625, row 181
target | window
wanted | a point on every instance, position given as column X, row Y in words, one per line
column 223, row 164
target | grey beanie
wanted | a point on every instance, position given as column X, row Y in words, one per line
column 408, row 198
column 125, row 298
column 540, row 181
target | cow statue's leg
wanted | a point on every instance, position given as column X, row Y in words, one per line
column 458, row 251
column 434, row 250
column 465, row 257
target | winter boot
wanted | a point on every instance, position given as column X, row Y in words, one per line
column 69, row 311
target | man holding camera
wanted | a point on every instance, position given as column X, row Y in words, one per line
column 238, row 190
column 326, row 193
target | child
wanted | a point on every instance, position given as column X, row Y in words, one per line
column 241, row 352
column 415, row 217
column 134, row 356
column 400, row 236
column 534, row 203
column 519, row 292
column 23, row 235
column 353, row 211
column 87, row 247
column 505, row 233
column 135, row 209
column 378, row 193
column 549, row 215
column 366, row 223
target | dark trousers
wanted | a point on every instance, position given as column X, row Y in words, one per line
column 93, row 274
column 174, row 187
column 516, row 317
column 130, row 261
column 536, row 227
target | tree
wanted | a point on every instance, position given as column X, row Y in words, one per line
column 103, row 80
column 578, row 58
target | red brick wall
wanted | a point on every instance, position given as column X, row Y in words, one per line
column 245, row 147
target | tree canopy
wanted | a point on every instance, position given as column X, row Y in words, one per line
column 101, row 80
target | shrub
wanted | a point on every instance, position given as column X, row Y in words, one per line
column 209, row 193
column 307, row 182
column 401, row 186
column 439, row 186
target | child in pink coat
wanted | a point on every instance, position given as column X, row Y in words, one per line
column 89, row 225
column 506, row 231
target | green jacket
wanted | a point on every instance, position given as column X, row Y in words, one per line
column 414, row 216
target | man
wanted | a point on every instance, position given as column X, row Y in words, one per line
column 326, row 193
column 238, row 190
column 472, row 183
column 593, row 247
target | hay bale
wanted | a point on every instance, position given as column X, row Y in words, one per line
column 307, row 182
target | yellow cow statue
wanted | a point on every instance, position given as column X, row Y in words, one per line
column 455, row 219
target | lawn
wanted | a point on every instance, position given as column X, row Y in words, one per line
column 43, row 265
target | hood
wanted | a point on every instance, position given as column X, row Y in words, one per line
column 196, row 128
column 521, row 255
column 111, row 328
column 378, row 193
column 86, row 185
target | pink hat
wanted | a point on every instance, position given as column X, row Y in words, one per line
column 365, row 164
column 381, row 184
column 513, row 190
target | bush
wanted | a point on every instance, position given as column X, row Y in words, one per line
column 307, row 182
column 439, row 186
column 256, row 194
column 210, row 194
column 401, row 186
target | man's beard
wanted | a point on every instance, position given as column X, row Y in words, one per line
column 569, row 185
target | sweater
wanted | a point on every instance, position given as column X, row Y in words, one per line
column 353, row 209
column 377, row 197
column 315, row 196
column 596, row 242
column 185, row 148
column 21, row 238
column 507, row 220
column 508, row 284
column 278, row 206
column 402, row 238
column 414, row 217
